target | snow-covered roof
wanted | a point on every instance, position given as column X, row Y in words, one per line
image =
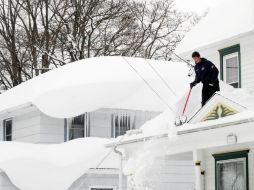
column 228, row 19
column 102, row 82
column 165, row 123
column 52, row 167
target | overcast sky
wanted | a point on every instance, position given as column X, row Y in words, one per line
column 199, row 6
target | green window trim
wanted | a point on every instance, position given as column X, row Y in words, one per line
column 229, row 156
column 226, row 51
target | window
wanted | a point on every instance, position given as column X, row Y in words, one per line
column 231, row 171
column 79, row 127
column 230, row 65
column 102, row 188
column 7, row 130
column 231, row 69
column 120, row 123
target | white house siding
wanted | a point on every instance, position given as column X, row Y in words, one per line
column 99, row 180
column 51, row 129
column 175, row 172
column 100, row 121
column 5, row 183
column 26, row 127
column 171, row 172
column 210, row 163
column 247, row 57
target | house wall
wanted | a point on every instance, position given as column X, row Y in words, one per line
column 51, row 129
column 26, row 127
column 100, row 121
column 247, row 57
column 210, row 163
column 35, row 127
column 170, row 172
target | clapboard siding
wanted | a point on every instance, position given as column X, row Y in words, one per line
column 26, row 127
column 171, row 173
column 247, row 57
column 51, row 129
column 100, row 124
column 100, row 121
column 35, row 127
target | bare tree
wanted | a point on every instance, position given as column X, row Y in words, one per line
column 40, row 35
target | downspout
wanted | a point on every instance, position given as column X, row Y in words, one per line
column 120, row 168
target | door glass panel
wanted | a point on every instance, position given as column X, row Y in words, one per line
column 231, row 175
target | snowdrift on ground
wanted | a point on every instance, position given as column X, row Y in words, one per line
column 50, row 167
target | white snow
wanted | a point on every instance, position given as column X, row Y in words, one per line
column 51, row 167
column 228, row 19
column 141, row 168
column 102, row 82
column 165, row 122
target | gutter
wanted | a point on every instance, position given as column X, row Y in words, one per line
column 181, row 132
column 15, row 108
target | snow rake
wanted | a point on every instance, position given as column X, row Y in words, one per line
column 183, row 118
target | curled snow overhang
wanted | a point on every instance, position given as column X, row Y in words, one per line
column 227, row 20
column 52, row 167
column 101, row 82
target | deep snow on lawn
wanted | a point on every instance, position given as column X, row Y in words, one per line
column 51, row 167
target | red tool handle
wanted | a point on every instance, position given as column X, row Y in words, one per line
column 187, row 100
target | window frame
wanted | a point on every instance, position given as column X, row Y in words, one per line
column 102, row 187
column 4, row 128
column 227, row 51
column 225, row 58
column 231, row 156
column 86, row 126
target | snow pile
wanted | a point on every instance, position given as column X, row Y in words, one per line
column 228, row 19
column 50, row 167
column 101, row 82
column 159, row 124
column 142, row 169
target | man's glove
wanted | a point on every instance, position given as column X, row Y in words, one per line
column 193, row 84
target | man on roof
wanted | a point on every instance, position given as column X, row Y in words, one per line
column 207, row 73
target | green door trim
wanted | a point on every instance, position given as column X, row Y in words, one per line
column 229, row 156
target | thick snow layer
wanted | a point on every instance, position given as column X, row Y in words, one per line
column 50, row 167
column 165, row 122
column 102, row 82
column 228, row 19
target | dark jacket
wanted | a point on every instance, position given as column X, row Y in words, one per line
column 206, row 72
